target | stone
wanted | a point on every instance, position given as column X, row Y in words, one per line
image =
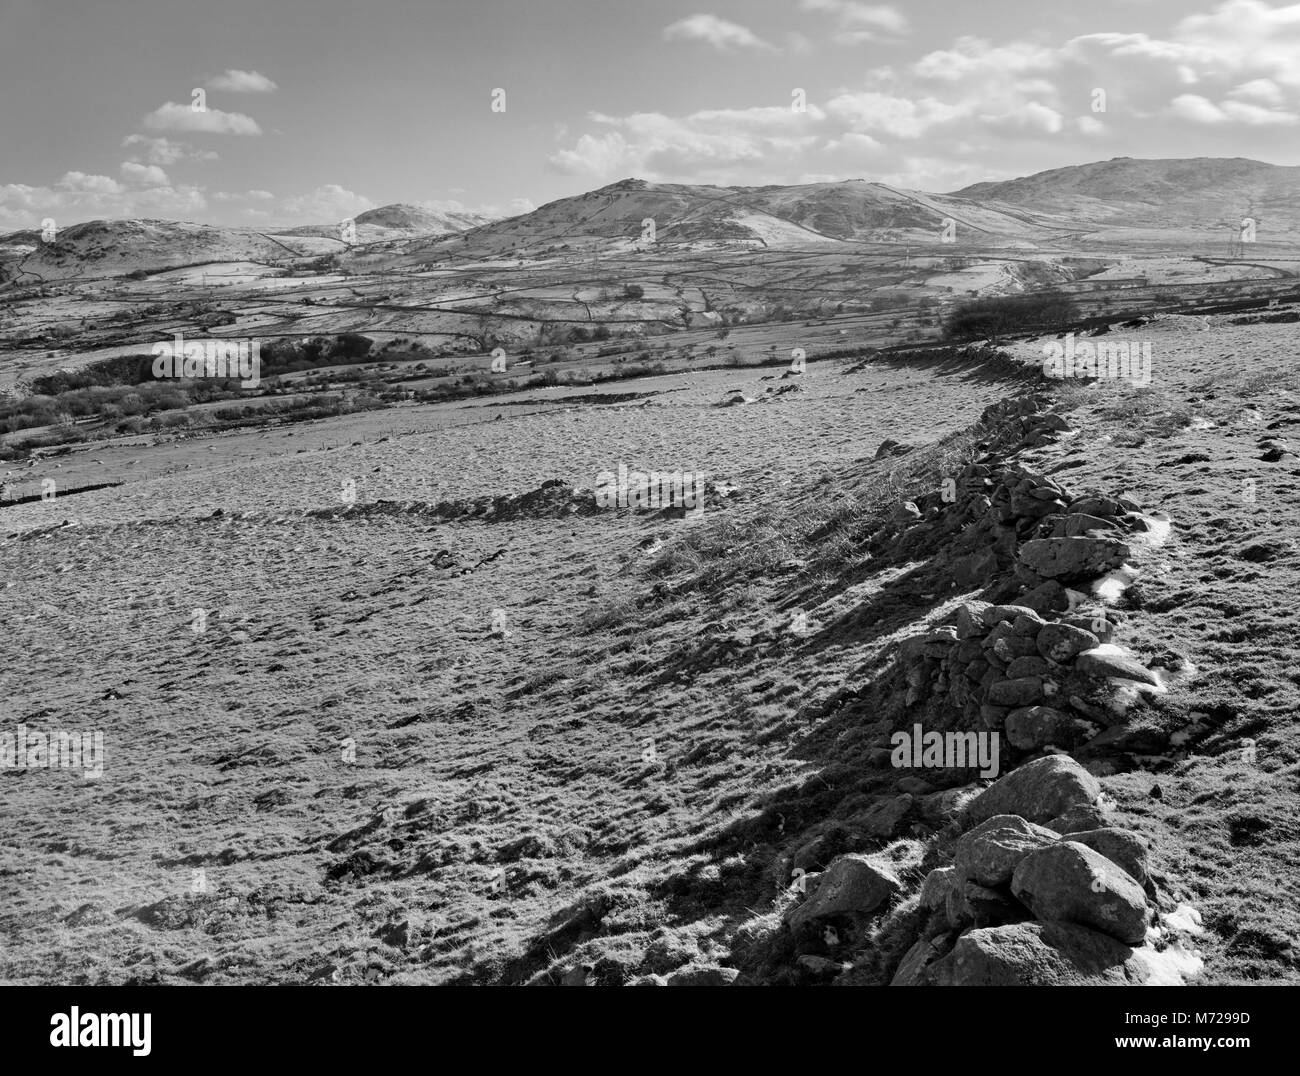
column 993, row 717
column 1109, row 660
column 886, row 818
column 1036, row 954
column 1027, row 626
column 1037, row 791
column 940, row 807
column 988, row 854
column 1082, row 816
column 1097, row 506
column 1008, row 648
column 993, row 615
column 969, row 619
column 703, row 975
column 970, row 904
column 974, row 569
column 912, row 968
column 1080, row 523
column 1073, row 883
column 1097, row 624
column 1062, row 642
column 1022, row 692
column 935, row 887
column 852, row 885
column 1029, row 665
column 1122, row 847
column 1068, row 559
column 1135, row 739
column 821, row 966
column 1031, row 728
column 1045, row 598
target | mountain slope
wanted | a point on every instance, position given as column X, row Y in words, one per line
column 1200, row 191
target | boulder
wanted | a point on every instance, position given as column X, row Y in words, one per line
column 1066, row 559
column 885, row 819
column 1082, row 816
column 1070, row 882
column 911, row 969
column 703, row 975
column 1080, row 523
column 934, row 890
column 1027, row 666
column 1037, row 791
column 1036, row 954
column 1061, row 642
column 1122, row 847
column 993, row 615
column 988, row 854
column 1046, row 597
column 853, row 885
column 969, row 619
column 1031, row 728
column 1025, row 691
column 1110, row 661
column 971, row 904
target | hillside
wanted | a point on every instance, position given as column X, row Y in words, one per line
column 397, row 221
column 817, row 216
column 1200, row 191
column 108, row 248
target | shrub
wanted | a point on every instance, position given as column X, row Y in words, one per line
column 1020, row 313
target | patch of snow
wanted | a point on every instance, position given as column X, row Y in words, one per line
column 1111, row 586
column 1172, row 966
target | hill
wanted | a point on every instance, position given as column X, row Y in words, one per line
column 1202, row 191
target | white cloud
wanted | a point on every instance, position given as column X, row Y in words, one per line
column 234, row 81
column 148, row 174
column 719, row 33
column 164, row 151
column 326, row 203
column 174, row 117
column 857, row 22
column 79, row 196
column 1262, row 91
column 709, row 144
column 81, row 183
column 242, row 196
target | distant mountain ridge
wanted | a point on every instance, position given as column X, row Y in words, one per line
column 1136, row 190
column 1193, row 196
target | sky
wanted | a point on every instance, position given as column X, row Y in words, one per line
column 315, row 110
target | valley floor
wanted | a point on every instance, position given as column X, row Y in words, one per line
column 396, row 743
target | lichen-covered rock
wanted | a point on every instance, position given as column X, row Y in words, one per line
column 1080, row 817
column 1025, row 691
column 911, row 969
column 1036, row 954
column 988, row 854
column 703, row 975
column 1037, row 791
column 1066, row 559
column 1033, row 727
column 1110, row 661
column 852, row 885
column 1061, row 642
column 1122, row 847
column 1070, row 882
column 934, row 890
column 970, row 904
column 993, row 615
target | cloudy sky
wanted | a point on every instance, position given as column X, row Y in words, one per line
column 318, row 109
